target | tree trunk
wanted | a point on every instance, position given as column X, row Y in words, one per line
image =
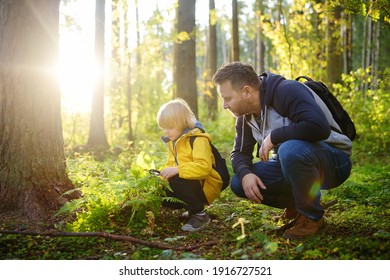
column 32, row 161
column 212, row 99
column 97, row 135
column 235, row 45
column 185, row 67
column 128, row 76
column 376, row 56
column 348, row 44
column 334, row 54
column 260, row 54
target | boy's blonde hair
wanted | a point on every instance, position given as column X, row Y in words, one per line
column 176, row 113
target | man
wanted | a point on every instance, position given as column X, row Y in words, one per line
column 287, row 118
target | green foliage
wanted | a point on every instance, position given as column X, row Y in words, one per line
column 116, row 191
column 74, row 131
column 376, row 9
column 359, row 227
column 370, row 109
column 298, row 38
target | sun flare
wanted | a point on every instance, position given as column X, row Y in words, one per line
column 77, row 75
column 77, row 70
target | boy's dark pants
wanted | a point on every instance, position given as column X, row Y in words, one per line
column 188, row 191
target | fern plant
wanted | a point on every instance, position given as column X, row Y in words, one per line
column 114, row 192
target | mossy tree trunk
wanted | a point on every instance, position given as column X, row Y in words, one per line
column 32, row 162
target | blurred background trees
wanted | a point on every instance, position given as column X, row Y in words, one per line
column 158, row 50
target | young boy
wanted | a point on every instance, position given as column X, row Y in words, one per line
column 189, row 168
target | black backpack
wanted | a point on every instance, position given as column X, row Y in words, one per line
column 220, row 164
column 339, row 114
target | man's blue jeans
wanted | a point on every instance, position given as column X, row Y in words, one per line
column 295, row 178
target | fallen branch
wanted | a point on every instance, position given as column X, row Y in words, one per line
column 110, row 236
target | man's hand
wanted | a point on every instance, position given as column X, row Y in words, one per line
column 265, row 148
column 251, row 185
column 169, row 172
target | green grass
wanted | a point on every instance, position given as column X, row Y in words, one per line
column 358, row 225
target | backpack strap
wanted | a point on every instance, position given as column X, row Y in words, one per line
column 192, row 139
column 303, row 77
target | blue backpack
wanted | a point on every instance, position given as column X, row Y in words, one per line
column 220, row 164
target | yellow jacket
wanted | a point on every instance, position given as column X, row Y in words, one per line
column 196, row 163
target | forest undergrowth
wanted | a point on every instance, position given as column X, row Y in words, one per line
column 120, row 198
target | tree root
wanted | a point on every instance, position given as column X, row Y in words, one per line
column 113, row 237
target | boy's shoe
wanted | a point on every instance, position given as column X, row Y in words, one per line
column 185, row 215
column 304, row 227
column 196, row 222
column 288, row 214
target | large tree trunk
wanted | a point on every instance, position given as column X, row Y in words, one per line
column 32, row 161
column 97, row 135
column 185, row 66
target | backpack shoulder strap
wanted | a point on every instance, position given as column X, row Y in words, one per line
column 303, row 77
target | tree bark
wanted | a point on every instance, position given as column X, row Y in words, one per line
column 260, row 53
column 212, row 99
column 97, row 135
column 185, row 64
column 348, row 44
column 235, row 45
column 334, row 53
column 32, row 161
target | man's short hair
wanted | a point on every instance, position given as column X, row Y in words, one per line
column 239, row 74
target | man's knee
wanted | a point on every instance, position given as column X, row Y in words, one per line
column 236, row 186
column 293, row 150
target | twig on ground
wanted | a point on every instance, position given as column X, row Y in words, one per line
column 110, row 236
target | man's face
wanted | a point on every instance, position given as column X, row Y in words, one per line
column 234, row 101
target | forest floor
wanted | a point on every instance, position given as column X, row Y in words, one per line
column 358, row 227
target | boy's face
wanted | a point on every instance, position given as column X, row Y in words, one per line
column 172, row 133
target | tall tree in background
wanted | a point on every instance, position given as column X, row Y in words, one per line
column 185, row 63
column 347, row 43
column 120, row 89
column 212, row 98
column 97, row 135
column 235, row 51
column 32, row 161
column 128, row 73
column 260, row 46
column 333, row 51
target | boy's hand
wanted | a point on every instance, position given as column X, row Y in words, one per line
column 169, row 172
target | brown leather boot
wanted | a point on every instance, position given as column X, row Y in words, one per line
column 288, row 214
column 304, row 227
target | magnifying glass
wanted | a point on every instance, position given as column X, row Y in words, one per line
column 154, row 172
